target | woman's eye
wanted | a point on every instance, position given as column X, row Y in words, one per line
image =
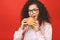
column 35, row 9
column 30, row 10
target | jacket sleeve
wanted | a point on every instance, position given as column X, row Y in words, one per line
column 47, row 33
column 18, row 34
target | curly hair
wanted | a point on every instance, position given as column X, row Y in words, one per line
column 43, row 13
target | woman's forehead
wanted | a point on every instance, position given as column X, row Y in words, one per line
column 33, row 6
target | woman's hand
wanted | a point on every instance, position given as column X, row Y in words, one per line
column 24, row 25
column 36, row 25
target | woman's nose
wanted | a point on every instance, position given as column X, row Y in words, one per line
column 31, row 13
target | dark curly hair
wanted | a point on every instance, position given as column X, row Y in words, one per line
column 43, row 13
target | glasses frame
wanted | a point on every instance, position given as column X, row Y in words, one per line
column 33, row 11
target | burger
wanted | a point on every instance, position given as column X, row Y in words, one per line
column 30, row 21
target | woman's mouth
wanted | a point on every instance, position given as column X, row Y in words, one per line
column 34, row 16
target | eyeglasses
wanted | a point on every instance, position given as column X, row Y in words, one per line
column 33, row 10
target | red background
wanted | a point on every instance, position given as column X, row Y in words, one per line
column 10, row 17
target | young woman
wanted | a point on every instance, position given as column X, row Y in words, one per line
column 42, row 29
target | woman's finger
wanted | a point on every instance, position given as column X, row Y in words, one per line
column 35, row 23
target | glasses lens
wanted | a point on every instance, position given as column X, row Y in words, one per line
column 33, row 10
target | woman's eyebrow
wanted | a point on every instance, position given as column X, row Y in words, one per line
column 33, row 9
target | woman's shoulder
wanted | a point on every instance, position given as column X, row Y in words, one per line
column 46, row 25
